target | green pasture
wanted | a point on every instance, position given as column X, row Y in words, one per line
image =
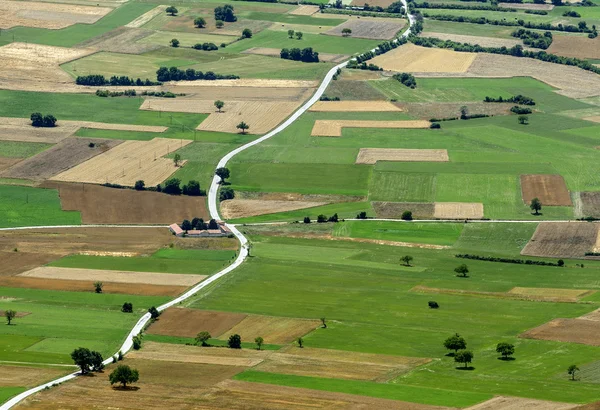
column 18, row 149
column 471, row 29
column 8, row 392
column 552, row 17
column 28, row 206
column 365, row 293
column 163, row 38
column 292, row 19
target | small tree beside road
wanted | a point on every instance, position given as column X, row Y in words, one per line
column 222, row 173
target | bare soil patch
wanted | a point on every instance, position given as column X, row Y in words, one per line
column 551, row 294
column 411, row 58
column 394, row 210
column 526, row 6
column 114, row 276
column 47, row 15
column 428, row 111
column 518, row 403
column 593, row 315
column 275, row 52
column 551, row 190
column 333, row 128
column 595, row 118
column 567, row 330
column 103, row 205
column 121, row 40
column 251, row 82
column 591, row 203
column 562, row 240
column 127, row 163
column 8, row 162
column 25, row 376
column 88, row 286
column 482, row 41
column 202, row 97
column 575, row 46
column 241, row 208
column 17, row 262
column 64, row 241
column 275, row 330
column 207, row 243
column 66, row 154
column 372, row 155
column 458, row 210
column 354, row 106
column 378, row 29
column 186, row 322
column 304, row 10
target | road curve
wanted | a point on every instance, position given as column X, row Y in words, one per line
column 214, row 213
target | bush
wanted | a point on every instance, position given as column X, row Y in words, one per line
column 226, row 193
column 333, row 218
column 533, row 38
column 433, row 305
column 154, row 313
column 247, row 33
column 306, row 220
column 435, row 125
column 406, row 79
column 205, row 46
column 140, row 185
column 517, row 99
column 137, row 343
column 172, row 186
column 321, row 218
column 362, row 215
column 46, row 121
column 127, row 307
column 326, row 98
column 407, row 216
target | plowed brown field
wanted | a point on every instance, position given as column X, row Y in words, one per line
column 567, row 330
column 575, row 46
column 551, row 190
column 562, row 240
column 275, row 330
column 185, row 322
column 518, row 403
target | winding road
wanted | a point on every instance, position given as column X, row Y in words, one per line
column 213, row 208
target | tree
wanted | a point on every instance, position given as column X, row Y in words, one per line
column 433, row 304
column 300, row 342
column 49, row 121
column 346, row 32
column 172, row 186
column 464, row 356
column 557, row 2
column 127, row 307
column 505, row 349
column 199, row 22
column 572, row 370
column 177, row 159
column 464, row 112
column 193, row 188
column 306, row 219
column 333, row 218
column 299, row 35
column 247, row 33
column 456, row 343
column 219, row 24
column 561, row 263
column 291, row 33
column 154, row 313
column 82, row 357
column 323, row 323
column 98, row 286
column 536, row 205
column 36, row 119
column 96, row 361
column 172, row 10
column 186, row 225
column 407, row 216
column 225, row 13
column 124, row 374
column 243, row 127
column 137, row 342
column 406, row 259
column 10, row 315
column 235, row 341
column 259, row 342
column 219, row 104
column 212, row 224
column 174, row 43
column 321, row 218
column 202, row 338
column 222, row 173
column 462, row 270
column 226, row 193
column 140, row 185
column 523, row 119
column 361, row 215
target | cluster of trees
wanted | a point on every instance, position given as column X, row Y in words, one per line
column 306, row 55
column 361, row 215
column 234, row 341
column 571, row 13
column 173, row 187
column 521, row 110
column 225, row 13
column 581, row 27
column 533, row 38
column 516, row 51
column 176, row 74
column 323, row 218
column 509, row 260
column 407, row 79
column 297, row 34
column 198, row 224
column 87, row 360
column 517, row 99
column 364, row 66
column 98, row 80
column 205, row 46
column 459, row 345
column 45, row 121
column 126, row 93
column 326, row 98
column 540, row 12
column 374, row 11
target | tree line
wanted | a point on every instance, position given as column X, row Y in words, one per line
column 560, row 262
column 517, row 99
column 306, row 55
column 198, row 224
column 175, row 74
column 99, row 79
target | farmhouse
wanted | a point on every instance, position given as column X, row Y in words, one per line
column 221, row 231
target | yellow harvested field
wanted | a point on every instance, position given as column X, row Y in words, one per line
column 593, row 315
column 595, row 118
column 19, row 376
column 146, row 17
column 415, row 59
column 333, row 128
column 261, row 116
column 304, row 10
column 518, row 403
column 482, row 41
column 372, row 155
column 458, row 210
column 249, row 82
column 117, row 127
column 127, row 163
column 354, row 106
column 47, row 15
column 563, row 295
column 274, row 330
column 227, row 94
column 242, row 208
column 115, row 276
column 197, row 354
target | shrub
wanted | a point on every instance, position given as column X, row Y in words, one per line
column 435, row 125
column 127, row 307
column 362, row 215
column 433, row 305
column 137, row 343
column 406, row 79
column 140, row 185
column 154, row 313
column 333, row 218
column 407, row 215
column 306, row 220
column 226, row 193
column 517, row 99
column 247, row 33
column 321, row 218
column 521, row 110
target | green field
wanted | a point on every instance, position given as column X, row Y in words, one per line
column 27, row 206
column 18, row 149
column 431, row 233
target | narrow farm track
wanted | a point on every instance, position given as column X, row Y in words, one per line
column 214, row 213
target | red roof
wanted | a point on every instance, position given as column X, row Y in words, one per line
column 175, row 229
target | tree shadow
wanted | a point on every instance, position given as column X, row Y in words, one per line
column 451, row 354
column 538, row 214
column 126, row 388
column 506, row 359
column 461, row 276
column 468, row 368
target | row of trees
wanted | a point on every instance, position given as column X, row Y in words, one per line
column 323, row 218
column 297, row 34
column 559, row 263
column 306, row 55
column 198, row 224
column 533, row 38
column 517, row 99
column 175, row 74
column 45, row 121
column 98, row 80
